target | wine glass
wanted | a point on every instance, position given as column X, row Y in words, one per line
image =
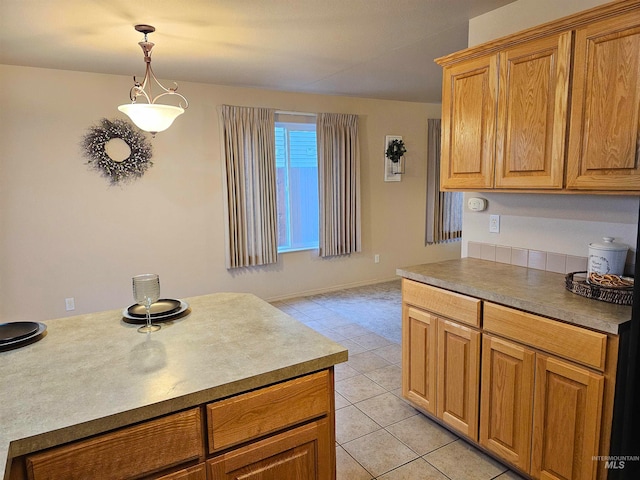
column 146, row 291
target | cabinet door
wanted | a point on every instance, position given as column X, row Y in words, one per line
column 604, row 141
column 458, row 377
column 304, row 453
column 506, row 400
column 532, row 113
column 566, row 422
column 469, row 92
column 419, row 358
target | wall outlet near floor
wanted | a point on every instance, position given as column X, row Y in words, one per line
column 494, row 223
column 70, row 303
column 376, row 258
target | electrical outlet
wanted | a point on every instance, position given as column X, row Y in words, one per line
column 376, row 258
column 494, row 223
column 70, row 303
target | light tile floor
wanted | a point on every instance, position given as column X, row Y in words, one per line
column 378, row 434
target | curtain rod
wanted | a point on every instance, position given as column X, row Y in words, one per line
column 297, row 113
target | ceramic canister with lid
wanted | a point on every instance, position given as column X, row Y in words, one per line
column 607, row 257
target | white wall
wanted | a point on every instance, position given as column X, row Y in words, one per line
column 64, row 232
column 552, row 223
column 523, row 14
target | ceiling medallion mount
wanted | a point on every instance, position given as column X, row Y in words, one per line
column 151, row 116
column 146, row 29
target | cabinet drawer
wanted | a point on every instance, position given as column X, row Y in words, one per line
column 448, row 304
column 574, row 343
column 126, row 453
column 254, row 414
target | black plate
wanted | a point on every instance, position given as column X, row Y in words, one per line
column 164, row 306
column 22, row 341
column 181, row 312
column 10, row 332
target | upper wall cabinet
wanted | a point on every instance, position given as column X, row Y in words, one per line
column 532, row 113
column 605, row 111
column 554, row 108
column 468, row 149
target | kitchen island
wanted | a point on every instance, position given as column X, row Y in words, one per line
column 508, row 358
column 94, row 375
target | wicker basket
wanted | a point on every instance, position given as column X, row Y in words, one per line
column 621, row 296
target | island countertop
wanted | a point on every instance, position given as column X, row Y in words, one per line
column 93, row 373
column 527, row 289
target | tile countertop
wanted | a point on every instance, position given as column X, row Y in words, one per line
column 527, row 289
column 93, row 373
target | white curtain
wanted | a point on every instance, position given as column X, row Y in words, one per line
column 444, row 209
column 250, row 200
column 339, row 184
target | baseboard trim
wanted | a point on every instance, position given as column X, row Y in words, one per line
column 334, row 288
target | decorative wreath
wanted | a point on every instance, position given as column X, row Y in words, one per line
column 130, row 168
column 395, row 150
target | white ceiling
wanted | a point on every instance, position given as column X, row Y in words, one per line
column 366, row 48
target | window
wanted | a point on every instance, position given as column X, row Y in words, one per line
column 297, row 182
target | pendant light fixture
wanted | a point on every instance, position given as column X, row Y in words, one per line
column 151, row 116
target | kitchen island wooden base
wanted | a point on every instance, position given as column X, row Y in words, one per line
column 286, row 430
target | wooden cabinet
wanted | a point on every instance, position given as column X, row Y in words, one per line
column 251, row 415
column 566, row 405
column 506, row 403
column 127, row 453
column 419, row 356
column 250, row 424
column 441, row 357
column 286, row 430
column 469, row 93
column 566, row 426
column 301, row 453
column 458, row 377
column 510, row 107
column 526, row 89
column 532, row 113
column 535, row 392
column 604, row 152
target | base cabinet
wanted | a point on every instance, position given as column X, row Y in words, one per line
column 419, row 358
column 282, row 431
column 441, row 357
column 132, row 452
column 564, row 408
column 458, row 377
column 302, row 453
column 532, row 391
column 506, row 400
column 566, row 426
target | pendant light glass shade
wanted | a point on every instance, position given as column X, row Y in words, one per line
column 151, row 117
